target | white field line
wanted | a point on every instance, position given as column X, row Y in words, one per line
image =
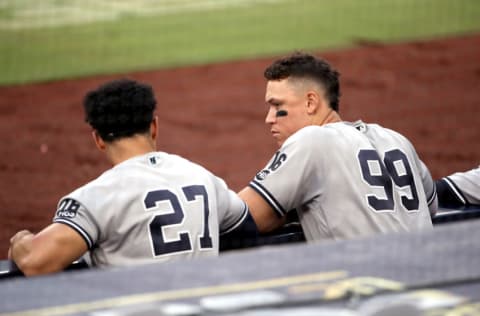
column 22, row 14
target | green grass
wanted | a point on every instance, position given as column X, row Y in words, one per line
column 138, row 43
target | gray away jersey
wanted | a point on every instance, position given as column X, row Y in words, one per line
column 154, row 207
column 465, row 186
column 349, row 179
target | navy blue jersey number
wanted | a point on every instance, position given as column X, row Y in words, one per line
column 376, row 177
column 162, row 247
column 191, row 193
column 277, row 161
column 405, row 179
column 385, row 174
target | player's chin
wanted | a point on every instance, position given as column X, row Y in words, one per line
column 279, row 141
column 278, row 138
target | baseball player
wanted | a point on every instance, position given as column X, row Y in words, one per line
column 344, row 179
column 150, row 206
column 459, row 189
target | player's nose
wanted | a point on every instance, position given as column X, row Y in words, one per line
column 271, row 116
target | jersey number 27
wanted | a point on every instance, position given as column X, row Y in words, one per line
column 396, row 168
column 182, row 244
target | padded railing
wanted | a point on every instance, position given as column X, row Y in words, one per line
column 291, row 232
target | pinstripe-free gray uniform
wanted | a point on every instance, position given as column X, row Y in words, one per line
column 347, row 180
column 154, row 207
column 465, row 186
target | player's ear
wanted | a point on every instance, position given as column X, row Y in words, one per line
column 313, row 102
column 98, row 141
column 154, row 127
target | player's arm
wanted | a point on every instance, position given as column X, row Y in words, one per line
column 449, row 196
column 460, row 189
column 265, row 217
column 51, row 250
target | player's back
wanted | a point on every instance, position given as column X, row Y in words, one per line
column 367, row 180
column 152, row 207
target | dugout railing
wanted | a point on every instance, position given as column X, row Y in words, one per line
column 289, row 233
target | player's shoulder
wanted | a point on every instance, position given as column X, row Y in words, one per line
column 311, row 131
column 183, row 163
column 377, row 128
column 108, row 182
column 315, row 135
column 379, row 133
column 187, row 167
column 100, row 186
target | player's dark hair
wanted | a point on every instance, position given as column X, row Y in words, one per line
column 120, row 108
column 302, row 65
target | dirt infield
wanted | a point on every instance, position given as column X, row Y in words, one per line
column 213, row 115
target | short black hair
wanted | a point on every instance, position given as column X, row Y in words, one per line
column 120, row 108
column 303, row 65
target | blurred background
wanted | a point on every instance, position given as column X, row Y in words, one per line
column 56, row 39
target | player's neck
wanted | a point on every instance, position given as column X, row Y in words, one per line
column 127, row 148
column 330, row 117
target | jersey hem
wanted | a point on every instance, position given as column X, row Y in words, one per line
column 78, row 229
column 237, row 223
column 433, row 196
column 458, row 194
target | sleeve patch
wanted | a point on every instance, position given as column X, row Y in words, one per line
column 68, row 209
column 276, row 163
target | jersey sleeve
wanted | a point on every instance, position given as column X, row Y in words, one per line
column 232, row 211
column 460, row 189
column 73, row 213
column 285, row 180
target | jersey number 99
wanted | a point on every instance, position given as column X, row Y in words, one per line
column 382, row 176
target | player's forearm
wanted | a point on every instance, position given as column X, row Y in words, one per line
column 21, row 251
column 263, row 215
column 28, row 256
